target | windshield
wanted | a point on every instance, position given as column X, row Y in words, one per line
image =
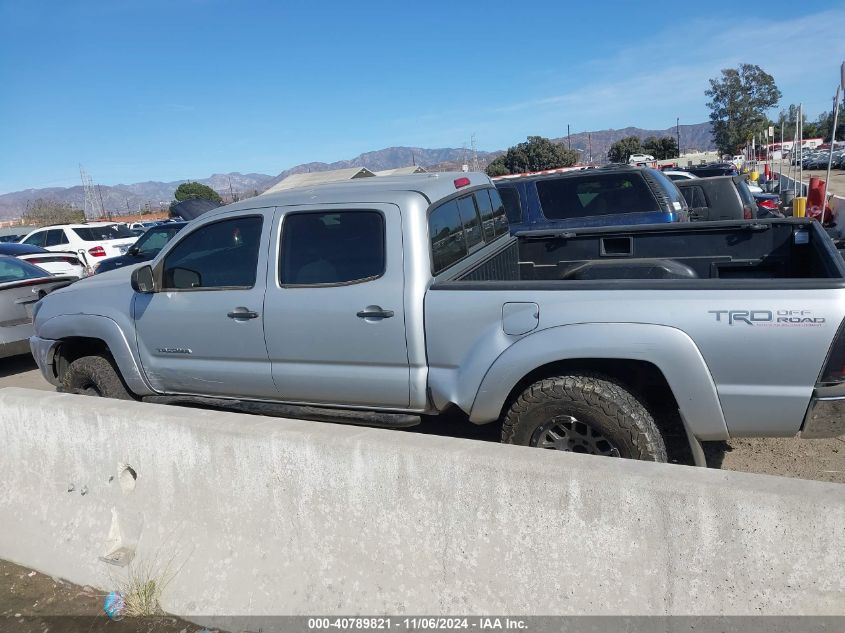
column 103, row 233
column 154, row 240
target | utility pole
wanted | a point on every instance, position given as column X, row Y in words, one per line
column 590, row 143
column 568, row 138
column 678, row 133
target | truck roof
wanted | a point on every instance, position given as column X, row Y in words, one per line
column 434, row 186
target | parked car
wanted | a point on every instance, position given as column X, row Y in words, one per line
column 98, row 240
column 378, row 300
column 633, row 159
column 678, row 174
column 718, row 198
column 146, row 248
column 713, row 169
column 56, row 263
column 607, row 196
column 10, row 238
column 22, row 285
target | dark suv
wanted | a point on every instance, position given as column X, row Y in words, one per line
column 616, row 195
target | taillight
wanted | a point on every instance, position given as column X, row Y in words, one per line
column 834, row 369
column 746, row 212
column 768, row 204
column 38, row 260
column 97, row 251
column 461, row 182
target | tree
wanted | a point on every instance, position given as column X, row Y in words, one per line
column 622, row 149
column 195, row 190
column 43, row 212
column 661, row 148
column 738, row 103
column 497, row 167
column 536, row 154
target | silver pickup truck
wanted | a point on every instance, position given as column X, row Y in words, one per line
column 381, row 300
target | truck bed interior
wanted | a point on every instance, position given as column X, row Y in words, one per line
column 692, row 253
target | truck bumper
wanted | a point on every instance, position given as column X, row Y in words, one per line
column 43, row 350
column 825, row 418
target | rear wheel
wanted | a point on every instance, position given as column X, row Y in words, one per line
column 94, row 376
column 584, row 413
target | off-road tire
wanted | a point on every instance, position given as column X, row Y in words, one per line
column 596, row 400
column 94, row 376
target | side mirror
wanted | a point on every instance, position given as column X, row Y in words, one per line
column 143, row 280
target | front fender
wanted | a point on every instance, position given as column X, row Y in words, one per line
column 105, row 329
column 670, row 349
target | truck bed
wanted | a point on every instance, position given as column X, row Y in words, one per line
column 795, row 252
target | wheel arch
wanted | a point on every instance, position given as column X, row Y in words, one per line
column 81, row 335
column 664, row 355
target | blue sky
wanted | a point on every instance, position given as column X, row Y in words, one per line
column 170, row 89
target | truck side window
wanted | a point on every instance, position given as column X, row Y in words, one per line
column 512, row 205
column 695, row 197
column 446, row 231
column 500, row 219
column 472, row 225
column 219, row 255
column 332, row 247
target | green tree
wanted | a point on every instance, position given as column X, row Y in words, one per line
column 195, row 190
column 661, row 148
column 536, row 154
column 738, row 103
column 622, row 149
column 43, row 212
column 497, row 167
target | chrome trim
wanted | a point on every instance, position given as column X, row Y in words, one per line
column 825, row 418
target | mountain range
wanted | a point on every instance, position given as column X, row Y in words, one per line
column 155, row 195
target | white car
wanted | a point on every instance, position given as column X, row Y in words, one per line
column 97, row 240
column 65, row 264
column 640, row 158
column 676, row 174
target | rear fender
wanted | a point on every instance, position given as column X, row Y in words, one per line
column 670, row 349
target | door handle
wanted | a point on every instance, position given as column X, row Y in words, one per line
column 242, row 313
column 375, row 312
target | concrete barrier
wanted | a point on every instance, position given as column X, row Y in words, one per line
column 252, row 515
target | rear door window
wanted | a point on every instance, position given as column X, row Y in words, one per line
column 332, row 247
column 56, row 237
column 598, row 194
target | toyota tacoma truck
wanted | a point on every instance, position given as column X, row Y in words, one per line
column 381, row 300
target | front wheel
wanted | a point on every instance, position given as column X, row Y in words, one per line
column 584, row 413
column 94, row 376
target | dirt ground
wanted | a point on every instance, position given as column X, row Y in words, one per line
column 31, row 602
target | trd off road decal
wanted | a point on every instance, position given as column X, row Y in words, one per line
column 768, row 318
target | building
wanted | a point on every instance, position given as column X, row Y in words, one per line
column 312, row 178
